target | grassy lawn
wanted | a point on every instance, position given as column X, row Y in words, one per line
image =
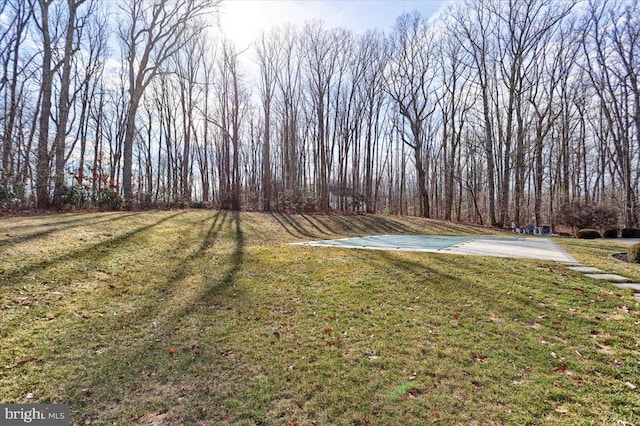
column 201, row 317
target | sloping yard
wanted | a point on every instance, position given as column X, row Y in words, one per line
column 205, row 317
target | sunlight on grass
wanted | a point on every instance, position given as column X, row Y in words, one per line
column 210, row 317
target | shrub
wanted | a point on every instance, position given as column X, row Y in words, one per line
column 6, row 193
column 611, row 233
column 293, row 201
column 73, row 195
column 7, row 197
column 588, row 234
column 585, row 216
column 634, row 253
column 630, row 233
column 108, row 198
column 12, row 192
column 146, row 201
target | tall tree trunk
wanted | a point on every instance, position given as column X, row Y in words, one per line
column 63, row 104
column 43, row 169
column 127, row 150
column 266, row 156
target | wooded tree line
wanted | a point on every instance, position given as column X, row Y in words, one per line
column 494, row 111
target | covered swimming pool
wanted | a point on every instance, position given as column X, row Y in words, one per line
column 515, row 247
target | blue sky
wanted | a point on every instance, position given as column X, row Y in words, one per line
column 243, row 20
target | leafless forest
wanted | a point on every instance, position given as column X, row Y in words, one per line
column 495, row 111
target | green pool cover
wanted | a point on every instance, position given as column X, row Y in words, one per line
column 404, row 242
column 518, row 247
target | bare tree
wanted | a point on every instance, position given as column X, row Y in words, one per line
column 72, row 35
column 289, row 85
column 267, row 49
column 43, row 168
column 373, row 51
column 13, row 71
column 557, row 59
column 203, row 149
column 524, row 27
column 150, row 34
column 455, row 103
column 476, row 25
column 187, row 65
column 611, row 45
column 411, row 85
column 231, row 112
column 320, row 58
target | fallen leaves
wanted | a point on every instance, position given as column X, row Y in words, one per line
column 154, row 419
column 99, row 351
column 54, row 316
column 227, row 353
column 479, row 358
column 26, row 361
column 604, row 349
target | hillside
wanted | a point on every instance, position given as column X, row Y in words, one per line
column 209, row 317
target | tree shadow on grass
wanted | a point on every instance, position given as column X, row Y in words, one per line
column 76, row 259
column 325, row 231
column 319, row 226
column 323, row 220
column 85, row 255
column 211, row 288
column 461, row 279
column 372, row 224
column 66, row 219
column 447, row 228
column 413, row 267
column 54, row 227
column 213, row 232
column 292, row 226
column 135, row 386
column 168, row 318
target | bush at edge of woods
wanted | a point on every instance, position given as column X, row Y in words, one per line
column 578, row 215
column 633, row 254
column 630, row 233
column 588, row 234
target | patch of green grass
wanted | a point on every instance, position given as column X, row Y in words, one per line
column 210, row 317
column 598, row 253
